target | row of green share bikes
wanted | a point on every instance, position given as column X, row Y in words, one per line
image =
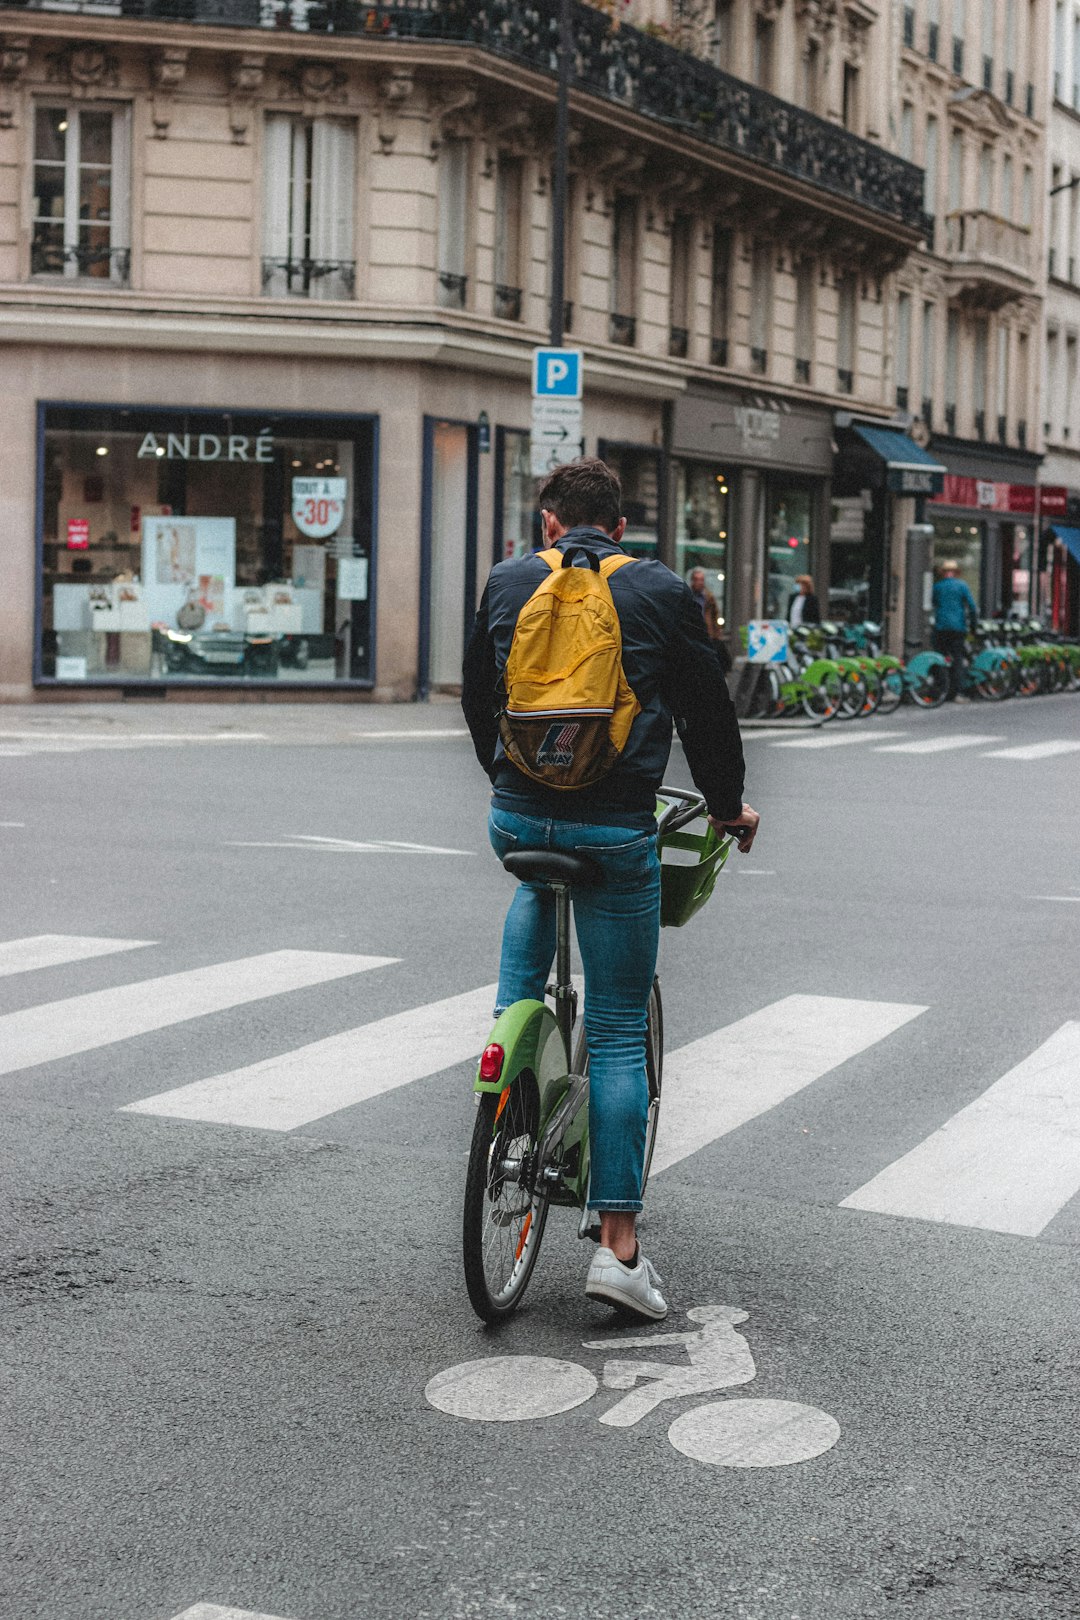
column 839, row 672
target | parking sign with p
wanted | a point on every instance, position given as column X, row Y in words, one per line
column 557, row 374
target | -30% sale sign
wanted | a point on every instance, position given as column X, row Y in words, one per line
column 318, row 505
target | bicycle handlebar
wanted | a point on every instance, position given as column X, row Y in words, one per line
column 685, row 807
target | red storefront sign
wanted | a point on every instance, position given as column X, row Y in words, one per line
column 78, row 534
column 984, row 496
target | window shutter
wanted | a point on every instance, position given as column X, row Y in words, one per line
column 333, row 188
column 277, row 167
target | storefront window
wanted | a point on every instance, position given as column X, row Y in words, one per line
column 788, row 545
column 961, row 543
column 702, row 504
column 639, row 472
column 850, row 559
column 206, row 546
column 518, row 530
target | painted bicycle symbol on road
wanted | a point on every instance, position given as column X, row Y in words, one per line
column 735, row 1433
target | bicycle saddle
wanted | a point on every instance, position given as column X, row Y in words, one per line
column 551, row 866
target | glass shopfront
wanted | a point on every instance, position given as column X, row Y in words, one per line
column 206, row 546
column 638, row 467
column 959, row 541
column 787, row 542
column 702, row 507
column 517, row 521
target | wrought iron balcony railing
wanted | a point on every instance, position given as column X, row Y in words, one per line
column 622, row 329
column 678, row 342
column 718, row 351
column 452, row 288
column 507, row 303
column 48, row 258
column 309, row 278
column 634, row 70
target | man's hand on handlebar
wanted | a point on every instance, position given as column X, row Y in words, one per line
column 744, row 830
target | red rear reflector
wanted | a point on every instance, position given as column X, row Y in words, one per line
column 492, row 1061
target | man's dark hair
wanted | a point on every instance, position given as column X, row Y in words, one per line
column 583, row 493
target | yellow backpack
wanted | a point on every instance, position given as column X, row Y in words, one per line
column 569, row 707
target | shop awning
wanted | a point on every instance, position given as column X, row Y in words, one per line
column 911, row 470
column 1069, row 538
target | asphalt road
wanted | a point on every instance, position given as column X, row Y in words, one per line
column 216, row 1337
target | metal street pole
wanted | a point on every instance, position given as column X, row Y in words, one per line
column 559, row 174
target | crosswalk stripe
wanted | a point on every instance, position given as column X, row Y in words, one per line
column 59, row 1029
column 214, row 1611
column 1008, row 1162
column 935, row 745
column 1043, row 750
column 717, row 1083
column 295, row 1088
column 836, row 739
column 53, row 950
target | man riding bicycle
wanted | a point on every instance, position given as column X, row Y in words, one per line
column 672, row 671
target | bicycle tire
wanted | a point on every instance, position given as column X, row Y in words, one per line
column 892, row 691
column 654, row 1069
column 852, row 698
column 497, row 1273
column 931, row 688
column 822, row 701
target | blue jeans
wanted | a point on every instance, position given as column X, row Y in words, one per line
column 618, row 931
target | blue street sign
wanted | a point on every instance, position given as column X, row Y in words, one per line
column 557, row 374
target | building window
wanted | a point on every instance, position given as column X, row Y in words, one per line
column 1009, row 52
column 907, row 131
column 812, row 76
column 682, row 240
column 702, row 509
column 787, row 539
column 81, row 193
column 721, row 34
column 720, row 307
column 1059, row 51
column 206, row 546
column 1007, row 198
column 847, row 300
column 956, row 171
column 805, row 280
column 986, row 178
column 959, row 28
column 1070, row 387
column 928, row 353
column 930, row 196
column 980, row 370
column 452, row 273
column 1022, row 374
column 310, row 168
column 903, row 349
column 1002, row 381
column 624, row 263
column 761, row 297
column 952, row 368
column 516, row 518
column 851, row 113
column 509, row 189
column 909, row 25
column 764, row 39
column 638, row 470
column 1027, row 196
column 988, row 11
column 933, row 30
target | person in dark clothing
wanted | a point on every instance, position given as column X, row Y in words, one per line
column 803, row 607
column 670, row 666
column 955, row 610
column 710, row 614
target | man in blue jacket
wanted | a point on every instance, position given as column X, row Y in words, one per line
column 954, row 612
column 672, row 670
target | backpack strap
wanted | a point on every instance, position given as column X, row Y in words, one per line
column 552, row 557
column 609, row 564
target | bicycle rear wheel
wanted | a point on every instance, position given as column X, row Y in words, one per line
column 505, row 1211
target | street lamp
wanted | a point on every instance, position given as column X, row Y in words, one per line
column 558, row 188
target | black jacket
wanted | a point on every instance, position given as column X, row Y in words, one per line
column 811, row 613
column 670, row 665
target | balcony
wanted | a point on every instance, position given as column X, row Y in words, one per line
column 308, row 278
column 718, row 351
column 622, row 329
column 51, row 258
column 507, row 303
column 452, row 287
column 625, row 68
column 991, row 260
column 678, row 342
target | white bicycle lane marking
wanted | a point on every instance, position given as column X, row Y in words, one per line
column 737, row 1433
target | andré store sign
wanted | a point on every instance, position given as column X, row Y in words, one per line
column 208, row 447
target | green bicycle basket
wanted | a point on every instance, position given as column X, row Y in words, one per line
column 686, row 885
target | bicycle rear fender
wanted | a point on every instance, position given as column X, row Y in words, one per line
column 924, row 661
column 530, row 1039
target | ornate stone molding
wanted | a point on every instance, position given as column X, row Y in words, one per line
column 451, row 109
column 14, row 58
column 247, row 74
column 316, row 84
column 85, row 69
column 394, row 92
column 168, row 68
column 513, row 133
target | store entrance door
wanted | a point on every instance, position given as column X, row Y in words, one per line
column 448, row 538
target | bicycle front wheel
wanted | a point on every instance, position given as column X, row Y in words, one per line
column 505, row 1211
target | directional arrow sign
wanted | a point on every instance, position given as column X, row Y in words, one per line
column 556, row 433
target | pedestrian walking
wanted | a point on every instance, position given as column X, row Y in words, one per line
column 955, row 611
column 706, row 601
column 803, row 608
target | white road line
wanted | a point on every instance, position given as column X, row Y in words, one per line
column 837, row 739
column 52, row 950
column 1069, row 899
column 12, row 823
column 214, row 1611
column 344, row 846
column 1044, row 750
column 295, row 1088
column 59, row 1029
column 1008, row 1162
column 935, row 745
column 90, row 738
column 717, row 1083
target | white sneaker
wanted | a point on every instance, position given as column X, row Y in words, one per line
column 632, row 1288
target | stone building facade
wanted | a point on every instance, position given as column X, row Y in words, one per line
column 271, row 275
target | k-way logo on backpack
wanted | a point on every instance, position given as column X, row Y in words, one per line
column 569, row 707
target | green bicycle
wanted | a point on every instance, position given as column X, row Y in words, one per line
column 530, row 1143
